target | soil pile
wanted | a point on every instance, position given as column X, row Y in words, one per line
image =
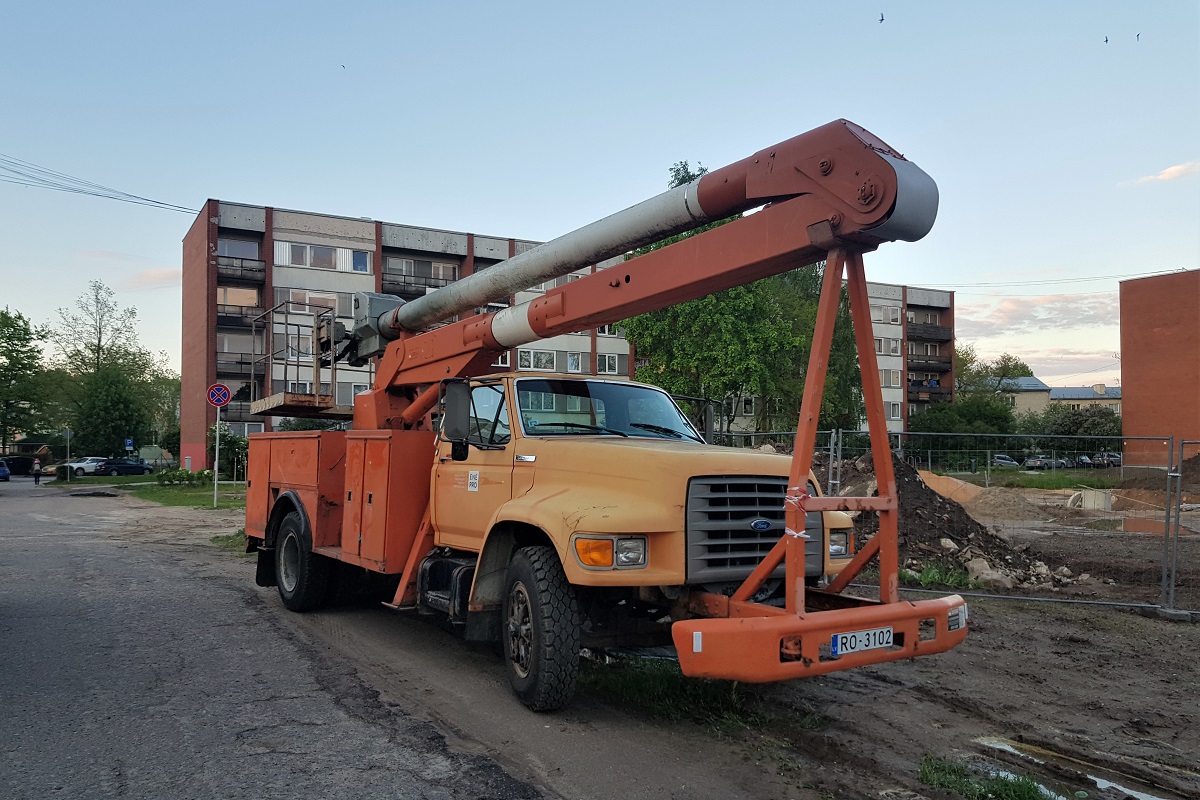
column 933, row 528
column 1155, row 480
column 1004, row 504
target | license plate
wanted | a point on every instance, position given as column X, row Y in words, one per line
column 858, row 641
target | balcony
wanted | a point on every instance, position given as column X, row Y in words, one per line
column 395, row 283
column 241, row 269
column 927, row 362
column 918, row 393
column 237, row 316
column 930, row 333
column 239, row 364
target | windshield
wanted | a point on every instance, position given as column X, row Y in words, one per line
column 550, row 407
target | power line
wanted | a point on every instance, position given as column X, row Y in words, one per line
column 25, row 173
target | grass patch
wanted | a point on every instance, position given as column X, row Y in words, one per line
column 233, row 542
column 656, row 688
column 1059, row 479
column 194, row 496
column 943, row 774
column 937, row 574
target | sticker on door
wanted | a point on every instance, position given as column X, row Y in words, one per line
column 473, row 481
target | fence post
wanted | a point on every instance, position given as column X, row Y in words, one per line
column 1163, row 596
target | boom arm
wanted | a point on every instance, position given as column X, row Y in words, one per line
column 834, row 186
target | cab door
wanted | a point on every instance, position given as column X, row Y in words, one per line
column 466, row 494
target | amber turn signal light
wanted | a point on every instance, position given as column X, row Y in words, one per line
column 594, row 552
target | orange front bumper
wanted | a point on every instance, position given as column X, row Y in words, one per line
column 783, row 646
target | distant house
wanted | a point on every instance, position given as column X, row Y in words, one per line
column 1083, row 396
column 1023, row 394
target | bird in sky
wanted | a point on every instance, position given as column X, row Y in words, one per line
column 343, row 66
column 1106, row 40
column 881, row 16
column 1139, row 38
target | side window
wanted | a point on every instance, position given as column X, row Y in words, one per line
column 489, row 416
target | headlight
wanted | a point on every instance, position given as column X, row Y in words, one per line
column 631, row 552
column 839, row 543
column 597, row 551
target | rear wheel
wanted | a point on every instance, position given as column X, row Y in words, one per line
column 114, row 472
column 79, row 472
column 301, row 575
column 540, row 636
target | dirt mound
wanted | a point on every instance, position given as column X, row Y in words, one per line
column 998, row 503
column 1155, row 480
column 935, row 528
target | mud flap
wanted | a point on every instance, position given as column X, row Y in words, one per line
column 264, row 573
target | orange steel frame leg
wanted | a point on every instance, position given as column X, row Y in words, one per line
column 735, row 638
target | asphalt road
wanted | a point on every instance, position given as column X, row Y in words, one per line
column 131, row 671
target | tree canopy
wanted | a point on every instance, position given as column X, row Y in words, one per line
column 747, row 341
column 20, row 364
column 973, row 374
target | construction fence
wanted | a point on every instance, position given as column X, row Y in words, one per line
column 1084, row 518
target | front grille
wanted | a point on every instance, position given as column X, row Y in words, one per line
column 721, row 543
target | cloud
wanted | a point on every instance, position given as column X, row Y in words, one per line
column 1183, row 170
column 1015, row 315
column 154, row 279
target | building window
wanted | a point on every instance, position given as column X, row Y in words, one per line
column 361, row 261
column 421, row 268
column 893, row 410
column 606, row 363
column 237, row 296
column 606, row 330
column 878, row 345
column 931, row 349
column 537, row 359
column 912, row 409
column 574, row 362
column 319, row 256
column 501, row 360
column 888, row 314
column 889, row 377
column 747, row 406
column 306, row 302
column 894, row 347
column 238, row 248
column 359, row 388
column 299, row 348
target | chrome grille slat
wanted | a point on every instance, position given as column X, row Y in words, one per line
column 721, row 545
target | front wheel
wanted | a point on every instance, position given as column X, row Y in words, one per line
column 541, row 629
column 79, row 473
column 301, row 575
column 114, row 473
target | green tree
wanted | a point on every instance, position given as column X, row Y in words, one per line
column 109, row 414
column 234, row 450
column 973, row 374
column 20, row 365
column 748, row 341
column 104, row 376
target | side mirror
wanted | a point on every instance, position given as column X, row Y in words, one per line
column 456, row 411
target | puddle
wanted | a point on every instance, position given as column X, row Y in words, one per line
column 94, row 493
column 1092, row 772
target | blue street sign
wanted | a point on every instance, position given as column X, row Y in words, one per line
column 129, row 444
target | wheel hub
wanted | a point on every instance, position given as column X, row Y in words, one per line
column 520, row 629
column 289, row 563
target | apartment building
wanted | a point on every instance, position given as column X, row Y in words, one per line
column 914, row 345
column 256, row 279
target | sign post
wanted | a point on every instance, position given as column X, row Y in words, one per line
column 218, row 395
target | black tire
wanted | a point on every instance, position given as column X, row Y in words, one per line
column 79, row 473
column 147, row 471
column 540, row 629
column 302, row 576
column 114, row 472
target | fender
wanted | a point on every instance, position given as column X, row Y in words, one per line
column 280, row 509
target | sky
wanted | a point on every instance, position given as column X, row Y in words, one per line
column 1065, row 163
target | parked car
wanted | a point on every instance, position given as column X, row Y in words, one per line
column 1066, row 463
column 1114, row 459
column 84, row 466
column 1106, row 460
column 1001, row 460
column 50, row 470
column 123, row 466
column 1083, row 462
column 4, row 472
column 1037, row 462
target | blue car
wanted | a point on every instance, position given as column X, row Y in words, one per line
column 5, row 474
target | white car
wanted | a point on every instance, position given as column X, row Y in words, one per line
column 84, row 466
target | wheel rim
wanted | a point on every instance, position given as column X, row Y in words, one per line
column 289, row 562
column 520, row 629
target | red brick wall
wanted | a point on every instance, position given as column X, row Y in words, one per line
column 1160, row 362
column 199, row 324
